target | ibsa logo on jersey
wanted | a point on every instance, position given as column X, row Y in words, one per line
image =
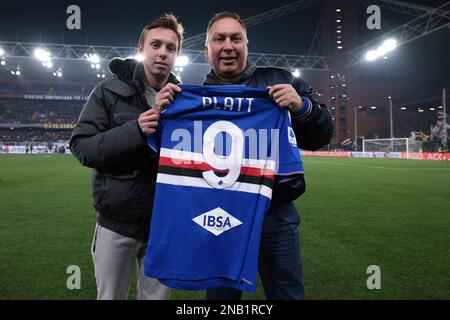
column 217, row 221
column 291, row 135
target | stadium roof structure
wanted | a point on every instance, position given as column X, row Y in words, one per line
column 426, row 20
column 81, row 52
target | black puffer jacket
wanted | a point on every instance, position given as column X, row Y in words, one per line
column 313, row 128
column 107, row 138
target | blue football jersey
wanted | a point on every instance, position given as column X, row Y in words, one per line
column 220, row 148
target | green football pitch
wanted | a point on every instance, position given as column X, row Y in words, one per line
column 356, row 213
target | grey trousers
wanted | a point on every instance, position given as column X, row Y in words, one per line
column 114, row 257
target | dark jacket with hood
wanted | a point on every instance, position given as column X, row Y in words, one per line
column 107, row 138
column 313, row 126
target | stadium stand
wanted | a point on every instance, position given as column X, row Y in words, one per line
column 20, row 111
column 37, row 112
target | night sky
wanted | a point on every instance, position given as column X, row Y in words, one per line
column 120, row 23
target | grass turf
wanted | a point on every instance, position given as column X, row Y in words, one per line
column 355, row 213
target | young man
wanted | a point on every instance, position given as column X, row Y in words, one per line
column 226, row 49
column 110, row 138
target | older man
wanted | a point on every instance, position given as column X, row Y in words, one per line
column 226, row 49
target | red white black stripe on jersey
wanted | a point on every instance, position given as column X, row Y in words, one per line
column 183, row 168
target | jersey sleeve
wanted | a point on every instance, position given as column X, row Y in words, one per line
column 289, row 161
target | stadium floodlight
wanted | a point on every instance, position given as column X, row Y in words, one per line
column 42, row 55
column 296, row 73
column 139, row 57
column 371, row 55
column 182, row 61
column 3, row 62
column 2, row 52
column 387, row 46
column 178, row 72
column 381, row 51
column 58, row 73
column 93, row 58
column 48, row 64
column 390, row 45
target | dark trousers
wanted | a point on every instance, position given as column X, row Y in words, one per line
column 280, row 263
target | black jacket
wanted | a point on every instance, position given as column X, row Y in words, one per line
column 107, row 139
column 313, row 129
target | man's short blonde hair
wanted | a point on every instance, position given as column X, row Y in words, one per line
column 166, row 21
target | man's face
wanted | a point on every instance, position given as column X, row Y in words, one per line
column 226, row 49
column 159, row 51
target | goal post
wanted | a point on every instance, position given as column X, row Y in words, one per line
column 391, row 145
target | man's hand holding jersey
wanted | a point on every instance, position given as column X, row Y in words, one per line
column 148, row 121
column 166, row 95
column 285, row 96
